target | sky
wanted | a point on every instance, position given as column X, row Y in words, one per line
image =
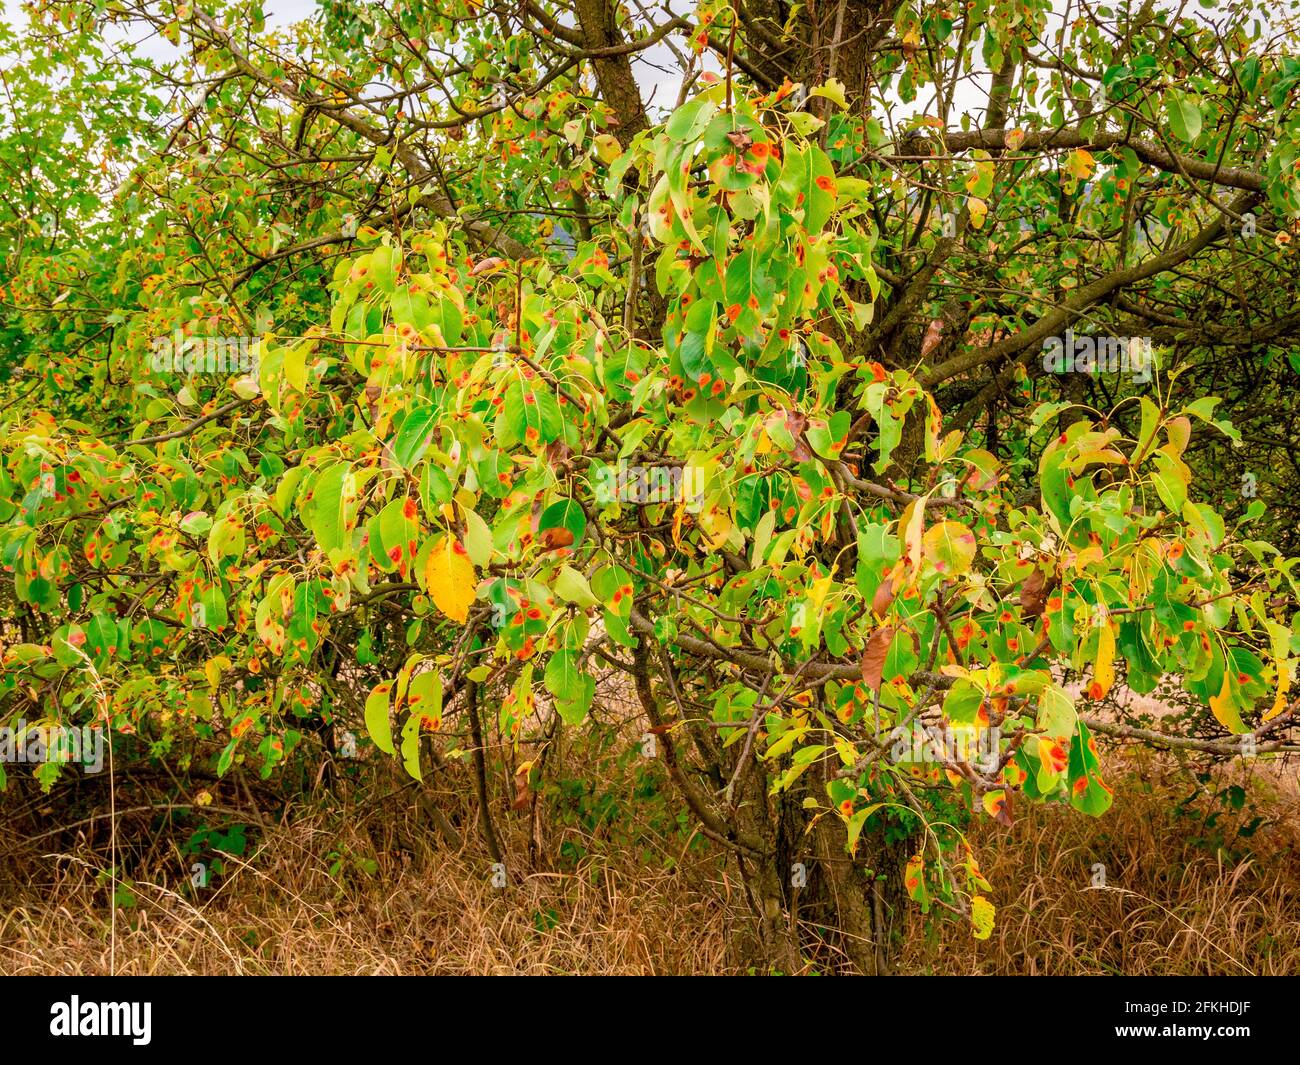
column 656, row 68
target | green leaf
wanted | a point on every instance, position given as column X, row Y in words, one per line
column 226, row 539
column 478, row 539
column 566, row 514
column 1057, row 716
column 1087, row 792
column 807, row 183
column 411, row 747
column 395, row 535
column 331, row 505
column 529, row 416
column 828, row 440
column 413, row 439
column 378, row 725
column 572, row 688
column 572, row 587
column 855, row 823
column 762, row 536
column 1184, row 116
column 1171, row 478
column 690, row 120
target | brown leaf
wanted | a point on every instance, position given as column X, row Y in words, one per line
column 884, row 597
column 740, row 140
column 873, row 657
column 1033, row 595
column 523, row 793
column 933, row 333
column 558, row 454
column 796, row 422
column 555, row 537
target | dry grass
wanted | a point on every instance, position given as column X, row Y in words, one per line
column 1174, row 904
column 282, row 912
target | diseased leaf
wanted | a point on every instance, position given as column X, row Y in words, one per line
column 949, row 548
column 450, row 579
column 378, row 725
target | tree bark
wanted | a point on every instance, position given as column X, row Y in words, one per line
column 618, row 87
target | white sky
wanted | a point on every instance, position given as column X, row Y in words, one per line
column 657, row 68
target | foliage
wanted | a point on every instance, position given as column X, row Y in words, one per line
column 388, row 327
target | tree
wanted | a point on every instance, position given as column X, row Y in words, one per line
column 437, row 373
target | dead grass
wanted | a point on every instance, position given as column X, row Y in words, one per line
column 281, row 912
column 1173, row 903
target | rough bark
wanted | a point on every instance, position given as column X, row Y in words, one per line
column 618, row 87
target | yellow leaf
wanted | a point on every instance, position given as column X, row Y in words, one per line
column 912, row 526
column 817, row 592
column 295, row 366
column 950, row 547
column 1283, row 686
column 1089, row 556
column 607, row 148
column 833, row 90
column 450, row 579
column 981, row 916
column 1080, row 164
column 1224, row 708
column 1103, row 668
column 716, row 525
column 213, row 669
